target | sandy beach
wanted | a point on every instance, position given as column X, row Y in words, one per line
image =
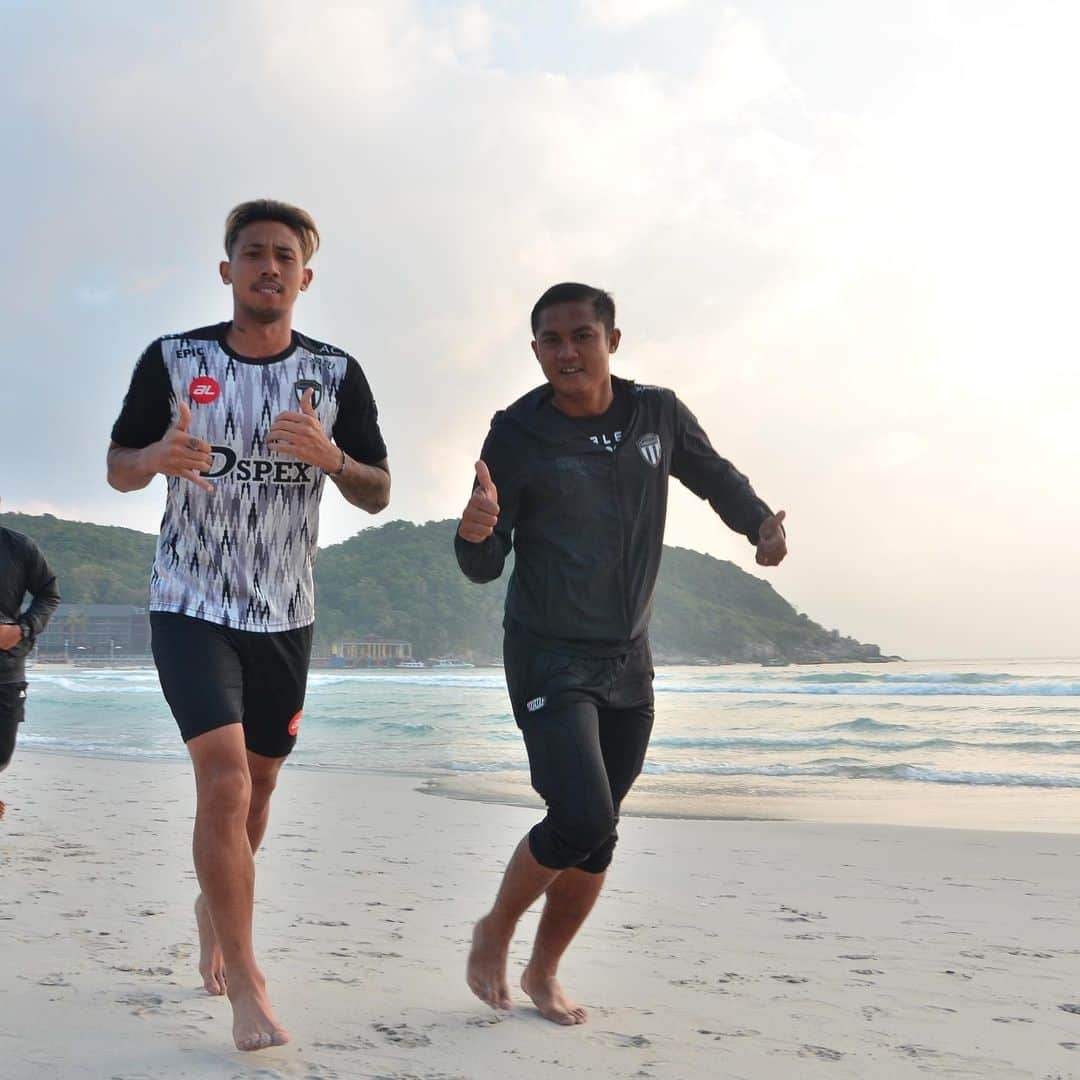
column 720, row 948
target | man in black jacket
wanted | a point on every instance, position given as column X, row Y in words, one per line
column 23, row 570
column 574, row 477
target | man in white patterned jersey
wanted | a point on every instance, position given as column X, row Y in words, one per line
column 245, row 420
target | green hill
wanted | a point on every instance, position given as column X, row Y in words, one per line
column 401, row 581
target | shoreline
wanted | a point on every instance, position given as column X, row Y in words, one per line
column 738, row 948
column 871, row 803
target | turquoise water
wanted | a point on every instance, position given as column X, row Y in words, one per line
column 723, row 735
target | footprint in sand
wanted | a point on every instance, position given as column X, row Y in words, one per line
column 142, row 1003
column 913, row 1050
column 638, row 1042
column 402, row 1035
column 351, row 1047
column 822, row 1052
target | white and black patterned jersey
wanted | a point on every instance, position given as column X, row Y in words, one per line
column 242, row 555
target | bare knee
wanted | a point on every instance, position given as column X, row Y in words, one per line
column 262, row 787
column 225, row 791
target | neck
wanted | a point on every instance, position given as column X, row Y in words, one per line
column 592, row 402
column 257, row 339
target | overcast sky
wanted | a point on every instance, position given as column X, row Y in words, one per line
column 846, row 233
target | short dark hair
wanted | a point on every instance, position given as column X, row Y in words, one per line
column 573, row 292
column 300, row 221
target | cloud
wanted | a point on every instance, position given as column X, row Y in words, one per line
column 617, row 13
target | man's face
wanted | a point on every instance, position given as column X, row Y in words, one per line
column 266, row 270
column 574, row 347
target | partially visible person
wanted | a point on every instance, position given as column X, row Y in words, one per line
column 23, row 570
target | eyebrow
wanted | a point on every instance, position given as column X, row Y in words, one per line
column 576, row 330
column 259, row 245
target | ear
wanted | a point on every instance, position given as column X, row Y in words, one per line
column 536, row 351
column 224, row 271
column 305, row 278
column 613, row 339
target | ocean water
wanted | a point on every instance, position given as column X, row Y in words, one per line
column 992, row 744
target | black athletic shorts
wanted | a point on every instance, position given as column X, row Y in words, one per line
column 12, row 713
column 540, row 677
column 215, row 675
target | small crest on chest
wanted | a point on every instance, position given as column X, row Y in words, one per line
column 308, row 384
column 649, row 448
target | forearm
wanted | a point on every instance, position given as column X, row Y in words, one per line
column 37, row 615
column 480, row 562
column 365, row 486
column 711, row 477
column 129, row 469
column 737, row 505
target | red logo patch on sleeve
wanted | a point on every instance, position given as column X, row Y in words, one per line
column 203, row 390
column 294, row 723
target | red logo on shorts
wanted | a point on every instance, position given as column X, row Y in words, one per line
column 294, row 723
column 204, row 390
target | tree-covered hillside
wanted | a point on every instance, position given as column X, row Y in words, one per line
column 401, row 581
column 94, row 564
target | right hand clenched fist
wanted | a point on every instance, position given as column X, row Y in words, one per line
column 482, row 513
column 179, row 453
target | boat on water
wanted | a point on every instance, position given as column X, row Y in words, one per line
column 450, row 662
column 410, row 664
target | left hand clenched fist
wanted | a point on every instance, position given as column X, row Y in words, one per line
column 301, row 435
column 772, row 543
column 10, row 635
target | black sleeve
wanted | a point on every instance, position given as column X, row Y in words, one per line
column 709, row 476
column 41, row 584
column 484, row 562
column 356, row 429
column 147, row 409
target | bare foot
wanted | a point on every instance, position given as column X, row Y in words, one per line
column 486, row 970
column 211, row 964
column 254, row 1026
column 547, row 995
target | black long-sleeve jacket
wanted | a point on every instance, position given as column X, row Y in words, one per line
column 23, row 570
column 586, row 524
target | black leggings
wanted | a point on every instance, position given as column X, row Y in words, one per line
column 583, row 759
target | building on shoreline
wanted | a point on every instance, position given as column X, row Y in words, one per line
column 95, row 631
column 372, row 651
